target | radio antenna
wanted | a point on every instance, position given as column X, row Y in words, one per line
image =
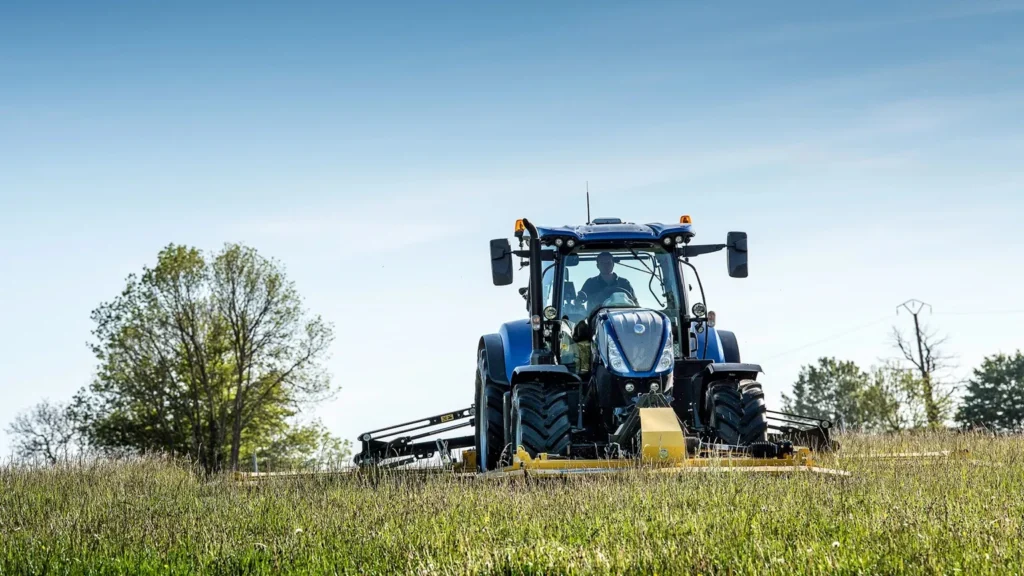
column 588, row 202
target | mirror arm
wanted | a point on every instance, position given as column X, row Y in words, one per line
column 688, row 251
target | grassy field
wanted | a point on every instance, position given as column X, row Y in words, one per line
column 956, row 515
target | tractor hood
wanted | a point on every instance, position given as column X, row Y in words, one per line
column 640, row 337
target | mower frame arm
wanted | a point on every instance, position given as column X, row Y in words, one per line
column 815, row 433
column 397, row 441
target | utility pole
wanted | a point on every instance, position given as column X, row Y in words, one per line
column 915, row 307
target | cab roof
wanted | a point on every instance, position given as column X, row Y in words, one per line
column 611, row 229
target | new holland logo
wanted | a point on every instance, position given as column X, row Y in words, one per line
column 639, row 328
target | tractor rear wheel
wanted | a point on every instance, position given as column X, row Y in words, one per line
column 738, row 415
column 490, row 418
column 540, row 419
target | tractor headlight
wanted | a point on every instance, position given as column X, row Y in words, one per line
column 570, row 243
column 667, row 360
column 615, row 361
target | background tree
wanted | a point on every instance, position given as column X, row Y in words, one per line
column 829, row 390
column 47, row 431
column 893, row 401
column 300, row 446
column 995, row 394
column 200, row 356
column 887, row 399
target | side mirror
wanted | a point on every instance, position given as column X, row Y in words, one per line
column 736, row 243
column 501, row 262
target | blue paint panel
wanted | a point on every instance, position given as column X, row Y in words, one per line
column 714, row 345
column 517, row 340
column 631, row 373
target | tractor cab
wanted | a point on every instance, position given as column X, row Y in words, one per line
column 607, row 265
column 605, row 279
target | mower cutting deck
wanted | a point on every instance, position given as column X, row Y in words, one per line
column 666, row 449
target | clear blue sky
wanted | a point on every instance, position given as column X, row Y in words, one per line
column 872, row 150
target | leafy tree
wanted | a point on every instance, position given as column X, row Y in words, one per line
column 829, row 390
column 995, row 394
column 200, row 356
column 47, row 431
column 887, row 399
column 893, row 401
column 300, row 446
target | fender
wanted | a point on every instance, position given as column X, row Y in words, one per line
column 544, row 373
column 715, row 352
column 729, row 370
column 730, row 348
column 517, row 344
column 494, row 352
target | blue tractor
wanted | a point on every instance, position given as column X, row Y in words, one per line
column 618, row 359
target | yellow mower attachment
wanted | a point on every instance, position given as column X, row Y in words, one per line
column 542, row 465
column 661, row 436
column 664, row 450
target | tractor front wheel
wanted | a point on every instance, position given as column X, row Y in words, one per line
column 540, row 419
column 737, row 412
column 490, row 418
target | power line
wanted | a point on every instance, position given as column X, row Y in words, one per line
column 980, row 313
column 833, row 337
column 890, row 318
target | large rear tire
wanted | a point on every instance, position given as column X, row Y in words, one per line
column 540, row 419
column 490, row 419
column 737, row 412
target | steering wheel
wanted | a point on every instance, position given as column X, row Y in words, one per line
column 612, row 290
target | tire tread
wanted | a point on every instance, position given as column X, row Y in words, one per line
column 542, row 418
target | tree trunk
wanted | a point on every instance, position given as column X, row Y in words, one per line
column 236, row 434
column 214, row 449
column 236, row 423
column 931, row 409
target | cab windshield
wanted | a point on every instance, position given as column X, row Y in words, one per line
column 619, row 278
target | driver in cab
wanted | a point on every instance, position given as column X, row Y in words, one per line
column 600, row 287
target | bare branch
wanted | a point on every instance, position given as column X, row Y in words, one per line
column 45, row 431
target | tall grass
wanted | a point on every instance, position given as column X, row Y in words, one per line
column 962, row 514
